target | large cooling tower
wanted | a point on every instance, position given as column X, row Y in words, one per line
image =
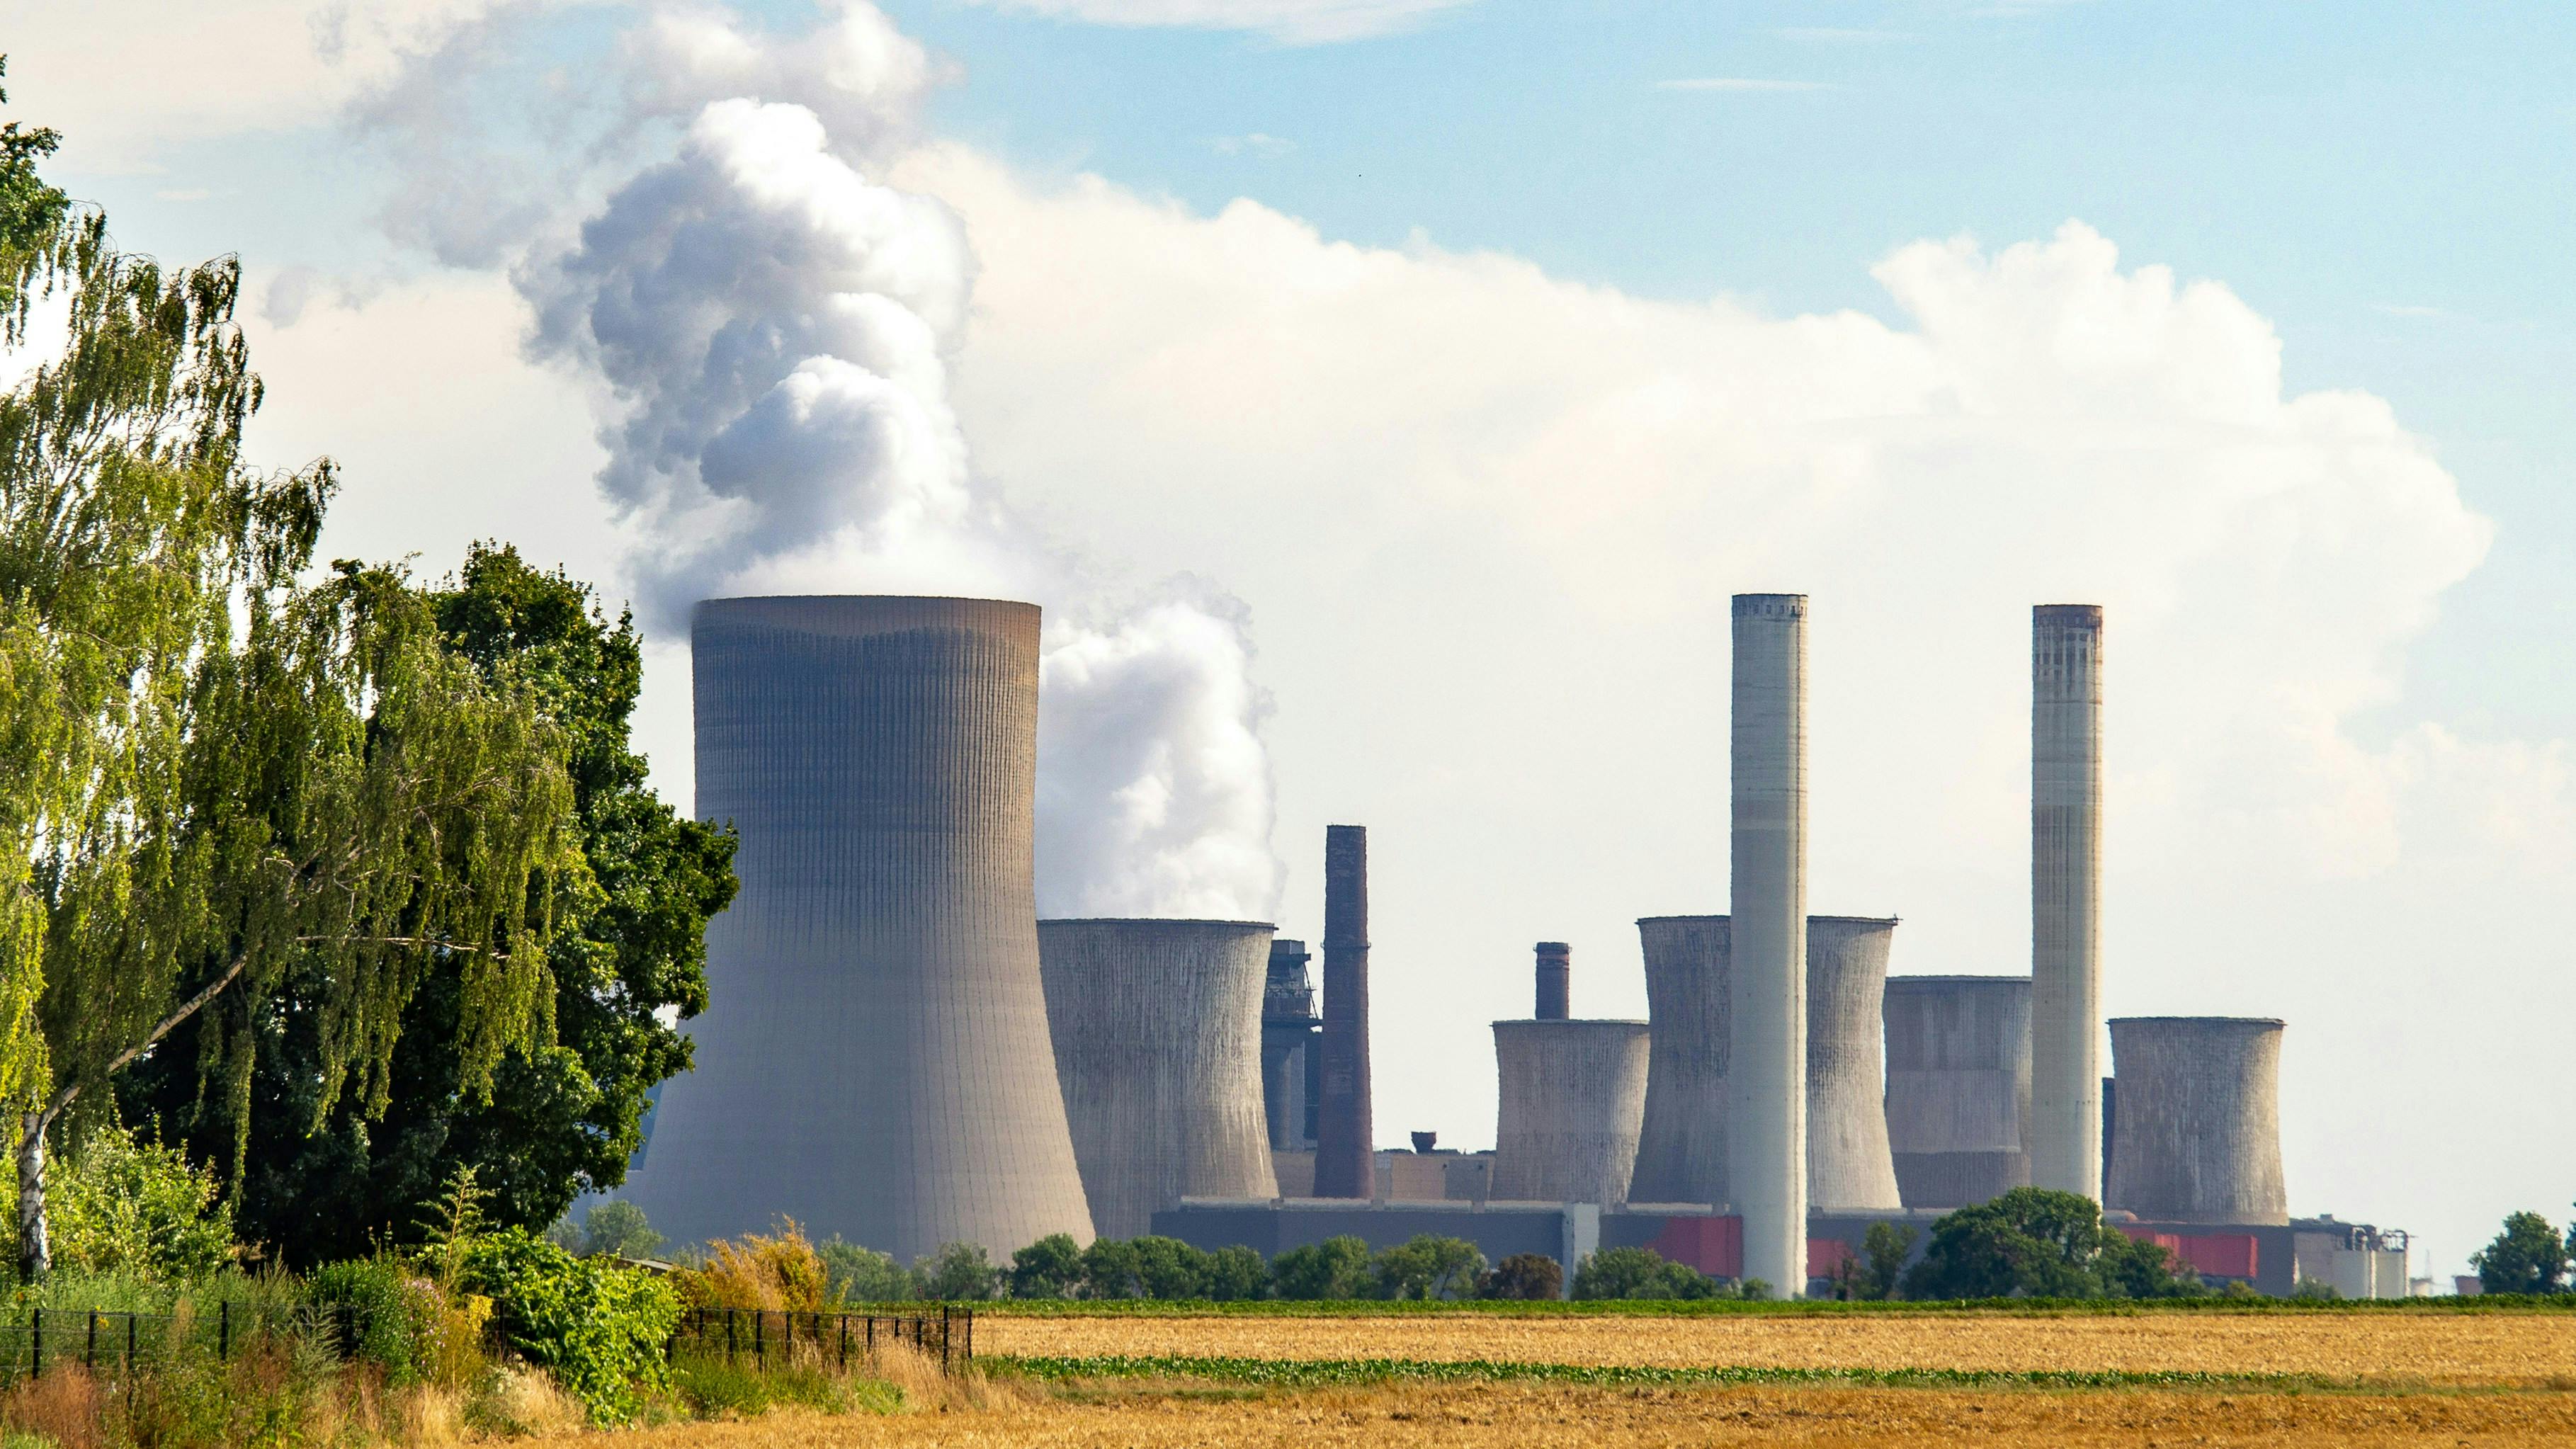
column 1345, row 1147
column 2066, row 898
column 1573, row 1093
column 2199, row 1119
column 1958, row 1087
column 1157, row 1028
column 1681, row 1145
column 874, row 1061
column 1766, row 1097
column 1848, row 1164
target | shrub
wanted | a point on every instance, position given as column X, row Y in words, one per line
column 125, row 1205
column 1237, row 1273
column 1051, row 1267
column 397, row 1316
column 863, row 1275
column 958, row 1272
column 1528, row 1276
column 780, row 1270
column 1640, row 1273
column 1427, row 1267
column 602, row 1330
column 1332, row 1269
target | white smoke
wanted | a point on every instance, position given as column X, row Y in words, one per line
column 772, row 332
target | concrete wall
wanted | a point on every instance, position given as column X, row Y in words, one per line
column 1572, row 1096
column 874, row 1061
column 1345, row 1123
column 2199, row 1119
column 1958, row 1087
column 1157, row 1031
column 2066, row 897
column 1681, row 1143
column 1849, row 1166
column 1766, row 1096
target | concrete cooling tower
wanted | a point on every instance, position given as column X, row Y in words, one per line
column 1849, row 1167
column 1766, row 1087
column 1681, row 1144
column 1573, row 1094
column 1958, row 1087
column 2066, row 898
column 874, row 1061
column 2199, row 1124
column 1157, row 1030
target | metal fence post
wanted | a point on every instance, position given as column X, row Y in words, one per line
column 89, row 1354
column 845, row 1341
column 943, row 1338
column 224, row 1332
column 36, row 1345
column 729, row 1340
column 759, row 1344
column 129, row 1344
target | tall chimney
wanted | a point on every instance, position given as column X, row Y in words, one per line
column 1766, row 1109
column 1345, row 1161
column 2066, row 898
column 1555, row 981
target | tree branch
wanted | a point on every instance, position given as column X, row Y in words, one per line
column 167, row 1025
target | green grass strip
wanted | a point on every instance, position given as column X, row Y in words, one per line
column 1337, row 1372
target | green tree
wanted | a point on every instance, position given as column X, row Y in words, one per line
column 1427, row 1266
column 1170, row 1268
column 127, row 1205
column 1886, row 1247
column 1640, row 1273
column 1529, row 1276
column 614, row 1229
column 213, row 776
column 1111, row 1268
column 1332, row 1270
column 1051, row 1267
column 564, row 1117
column 958, row 1272
column 2528, row 1256
column 853, row 1274
column 2038, row 1243
column 1236, row 1274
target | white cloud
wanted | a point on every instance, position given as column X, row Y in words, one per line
column 1298, row 22
column 1740, row 84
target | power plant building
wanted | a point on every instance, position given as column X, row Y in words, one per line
column 1573, row 1094
column 1849, row 1167
column 2066, row 898
column 2199, row 1120
column 1766, row 1084
column 1958, row 1087
column 1291, row 1064
column 1681, row 1143
column 1157, row 1031
column 875, row 1061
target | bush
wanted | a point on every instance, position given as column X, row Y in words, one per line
column 1335, row 1268
column 863, row 1275
column 1532, row 1277
column 125, row 1205
column 779, row 1270
column 1640, row 1273
column 958, row 1272
column 397, row 1316
column 601, row 1330
column 2527, row 1257
column 1051, row 1267
column 1427, row 1267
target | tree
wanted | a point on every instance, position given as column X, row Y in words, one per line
column 213, row 776
column 1170, row 1268
column 2038, row 1243
column 1886, row 1246
column 1332, row 1270
column 2528, row 1256
column 614, row 1229
column 958, row 1272
column 127, row 1205
column 1639, row 1273
column 1530, row 1276
column 1111, row 1268
column 863, row 1275
column 1051, row 1267
column 1236, row 1274
column 1426, row 1267
column 628, row 960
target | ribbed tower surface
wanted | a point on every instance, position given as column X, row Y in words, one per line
column 2199, row 1119
column 1958, row 1087
column 2066, row 898
column 1849, row 1166
column 1157, row 1029
column 875, row 1060
column 1681, row 1144
column 1572, row 1096
column 1766, row 1127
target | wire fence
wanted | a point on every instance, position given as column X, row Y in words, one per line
column 764, row 1338
column 115, row 1342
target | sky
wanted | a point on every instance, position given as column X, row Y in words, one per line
column 1385, row 396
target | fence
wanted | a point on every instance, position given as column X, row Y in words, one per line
column 758, row 1336
column 103, row 1339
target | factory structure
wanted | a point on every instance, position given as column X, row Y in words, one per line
column 898, row 1052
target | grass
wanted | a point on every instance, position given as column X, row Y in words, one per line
column 1368, row 1372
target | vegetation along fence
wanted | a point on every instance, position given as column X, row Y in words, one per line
column 106, row 1340
column 766, row 1337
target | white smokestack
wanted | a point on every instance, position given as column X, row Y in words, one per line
column 2066, row 898
column 1766, row 1075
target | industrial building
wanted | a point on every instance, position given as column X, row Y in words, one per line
column 1849, row 1165
column 875, row 1060
column 1958, row 1087
column 2066, row 898
column 2197, row 1124
column 1157, row 1031
column 1572, row 1096
column 1291, row 1065
column 1766, row 1027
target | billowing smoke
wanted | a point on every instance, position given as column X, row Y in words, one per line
column 773, row 334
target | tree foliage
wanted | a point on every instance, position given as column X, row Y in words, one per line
column 2037, row 1243
column 1528, row 1276
column 2527, row 1256
column 126, row 1205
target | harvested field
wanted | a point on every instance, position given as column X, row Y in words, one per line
column 2517, row 1349
column 1499, row 1414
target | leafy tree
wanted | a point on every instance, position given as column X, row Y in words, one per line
column 212, row 776
column 1886, row 1247
column 562, row 1118
column 1051, row 1267
column 863, row 1275
column 1112, row 1268
column 1639, row 1273
column 612, row 1229
column 1529, row 1276
column 958, row 1272
column 1170, row 1268
column 1334, row 1269
column 1236, row 1274
column 126, row 1205
column 1427, row 1266
column 2528, row 1256
column 2039, row 1243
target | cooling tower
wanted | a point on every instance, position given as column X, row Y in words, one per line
column 1766, row 1097
column 1573, row 1093
column 1849, row 1167
column 1958, row 1087
column 2066, row 898
column 1681, row 1145
column 2199, row 1119
column 1157, row 1028
column 1288, row 1060
column 874, row 1061
column 1555, row 982
column 1345, row 1154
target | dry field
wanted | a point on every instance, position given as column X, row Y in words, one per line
column 1506, row 1414
column 2517, row 1349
